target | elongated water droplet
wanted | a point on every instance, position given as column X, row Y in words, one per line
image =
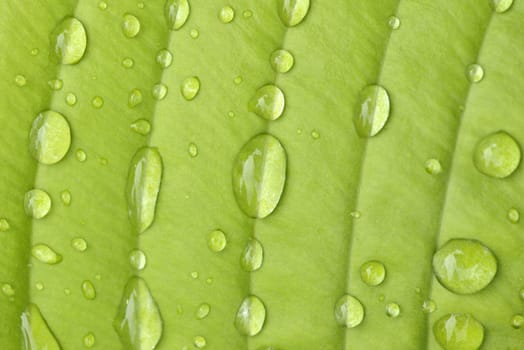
column 252, row 256
column 393, row 310
column 68, row 41
column 429, row 306
column 394, row 22
column 517, row 321
column 130, row 25
column 176, row 13
column 164, row 58
column 202, row 311
column 143, row 186
column 190, row 88
column 4, row 225
column 45, row 254
column 281, row 61
column 20, row 80
column 81, row 155
column 497, row 155
column 128, row 62
column 65, row 196
column 459, row 332
column 8, row 290
column 50, row 137
column 79, row 244
column 501, row 6
column 135, row 98
column 71, row 99
column 349, row 311
column 200, row 342
column 292, row 12
column 464, row 266
column 259, row 175
column 475, row 73
column 89, row 340
column 226, row 14
column 372, row 111
column 373, row 273
column 217, row 241
column 513, row 215
column 268, row 102
column 137, row 259
column 250, row 316
column 36, row 333
column 433, row 166
column 88, row 290
column 141, row 126
column 159, row 91
column 138, row 321
column 97, row 102
column 37, row 203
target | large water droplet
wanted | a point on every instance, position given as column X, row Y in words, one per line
column 497, row 155
column 226, row 14
column 372, row 111
column 373, row 273
column 394, row 22
column 137, row 259
column 143, row 185
column 349, row 311
column 464, row 266
column 45, row 254
column 79, row 244
column 190, row 88
column 393, row 310
column 252, row 256
column 250, row 316
column 459, row 332
column 202, row 311
column 176, row 13
column 50, row 137
column 130, row 25
column 475, row 72
column 68, row 41
column 135, row 98
column 281, row 61
column 37, row 203
column 501, row 6
column 268, row 102
column 88, row 290
column 216, row 241
column 292, row 12
column 36, row 332
column 164, row 58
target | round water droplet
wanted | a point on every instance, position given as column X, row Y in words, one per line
column 268, row 102
column 34, row 51
column 209, row 280
column 394, row 22
column 194, row 33
column 281, row 61
column 192, row 150
column 459, row 332
column 135, row 98
column 89, row 340
column 497, row 155
column 55, row 84
column 393, row 310
column 194, row 275
column 372, row 111
column 81, row 155
column 226, row 14
column 141, row 126
column 517, row 321
column 202, row 311
column 231, row 114
column 37, row 203
column 252, row 256
column 190, row 88
column 159, row 91
column 68, row 41
column 67, row 291
column 373, row 273
column 20, row 80
column 513, row 215
column 292, row 12
column 199, row 341
column 475, row 73
column 315, row 135
column 176, row 13
column 250, row 316
column 464, row 266
column 501, row 6
column 8, row 290
column 349, row 311
column 97, row 102
column 50, row 137
column 88, row 290
column 65, row 196
column 45, row 254
column 79, row 244
column 137, row 259
column 247, row 14
column 71, row 99
column 433, row 166
column 130, row 25
column 429, row 306
column 4, row 225
column 128, row 62
column 216, row 241
column 355, row 214
column 238, row 80
column 39, row 286
column 102, row 5
column 164, row 58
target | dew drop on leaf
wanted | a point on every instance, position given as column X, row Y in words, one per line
column 159, row 91
column 501, row 6
column 497, row 155
column 433, row 166
column 200, row 342
column 135, row 98
column 50, row 137
column 79, row 244
column 4, row 225
column 102, row 5
column 226, row 14
column 292, row 12
column 429, row 306
column 373, row 273
column 521, row 294
column 55, row 84
column 459, row 332
column 192, row 149
column 393, row 310
column 20, row 80
column 39, row 286
column 164, row 58
column 394, row 22
column 137, row 259
column 517, row 321
column 65, row 196
column 513, row 215
column 8, row 290
column 88, row 290
column 35, row 330
column 372, row 111
column 89, row 340
column 141, row 126
column 128, row 62
column 250, row 316
column 252, row 256
column 281, row 61
column 194, row 33
column 97, row 102
column 45, row 254
column 68, row 41
column 34, row 51
column 190, row 88
column 268, row 102
column 349, row 311
column 475, row 73
column 202, row 311
column 71, row 99
column 176, row 13
column 81, row 155
column 247, row 14
column 130, row 25
column 37, row 203
column 216, row 241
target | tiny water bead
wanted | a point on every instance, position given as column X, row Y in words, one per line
column 20, row 80
column 372, row 111
column 89, row 340
column 37, row 203
column 459, row 332
column 217, row 241
column 497, row 155
column 292, row 12
column 68, row 41
column 190, row 88
column 71, row 99
column 176, row 13
column 8, row 290
column 429, row 306
column 65, row 196
column 349, row 311
column 45, row 254
column 50, row 137
column 199, row 341
column 141, row 126
column 135, row 98
column 102, row 5
column 250, row 317
column 394, row 22
column 164, row 58
column 373, row 273
column 475, row 72
column 268, row 102
column 159, row 91
column 194, row 33
column 130, row 25
column 88, row 290
column 501, row 6
column 140, row 5
column 238, row 80
column 355, row 214
column 252, row 256
column 202, row 311
column 39, row 286
column 79, row 244
column 128, row 62
column 81, row 155
column 281, row 61
column 517, row 321
column 464, row 266
column 67, row 291
column 36, row 333
column 226, row 14
column 137, row 259
column 97, row 102
column 55, row 84
column 194, row 275
column 513, row 215
column 433, row 166
column 247, row 14
column 4, row 225
column 393, row 310
column 192, row 149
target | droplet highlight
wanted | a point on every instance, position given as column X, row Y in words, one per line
column 202, row 311
column 393, row 310
column 135, row 98
column 159, row 91
column 88, row 290
column 164, row 58
column 252, row 256
column 141, row 126
column 372, row 111
column 130, row 25
column 45, row 254
column 475, row 73
column 216, row 241
column 137, row 259
column 79, row 244
column 226, row 14
column 433, row 166
column 501, row 6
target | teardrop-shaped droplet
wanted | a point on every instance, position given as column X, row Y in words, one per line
column 138, row 321
column 176, row 13
column 50, row 137
column 79, row 244
column 433, row 166
column 143, row 186
column 159, row 91
column 202, row 311
column 373, row 273
column 250, row 316
column 459, row 332
column 35, row 331
column 292, row 12
column 45, row 254
column 259, row 175
column 497, row 155
column 130, row 25
column 190, row 88
column 217, row 241
column 513, row 215
column 252, row 256
column 475, row 73
column 135, row 98
column 68, row 41
column 137, row 259
column 268, row 102
column 349, row 311
column 164, row 58
column 372, row 111
column 281, row 61
column 37, row 203
column 464, row 266
column 226, row 14
column 141, row 126
column 501, row 6
column 88, row 290
column 393, row 310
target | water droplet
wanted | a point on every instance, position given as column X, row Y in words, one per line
column 349, row 311
column 141, row 126
column 281, row 61
column 226, row 14
column 130, row 25
column 194, row 275
column 394, row 22
column 521, row 294
column 164, row 58
column 497, row 155
column 250, row 316
column 55, row 84
column 102, row 5
column 88, row 290
column 97, row 102
column 501, row 6
column 199, row 341
column 103, row 161
column 459, row 331
column 4, row 225
column 433, row 166
column 176, row 13
column 65, row 196
column 140, row 5
column 39, row 286
column 137, row 259
column 429, row 306
column 247, row 14
column 373, row 273
column 20, row 80
column 45, row 254
column 79, row 244
column 8, row 290
column 292, row 12
column 209, row 280
column 34, row 51
column 35, row 330
column 238, row 80
column 159, row 91
column 67, row 291
column 315, row 135
column 259, row 175
column 231, row 114
column 192, row 150
column 81, row 155
column 128, row 62
column 355, row 214
column 513, row 215
column 135, row 98
column 50, row 137
column 252, row 256
column 37, row 203
column 190, row 88
column 68, row 41
column 216, row 241
column 71, row 99
column 89, row 340
column 517, row 321
column 268, row 102
column 138, row 321
column 202, row 311
column 143, row 185
column 372, row 111
column 464, row 266
column 194, row 33
column 393, row 310
column 475, row 73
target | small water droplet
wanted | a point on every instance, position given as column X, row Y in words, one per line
column 464, row 266
column 497, row 155
column 159, row 91
column 517, row 321
column 81, row 155
column 39, row 286
column 130, row 25
column 372, row 111
column 194, row 33
column 315, row 134
column 192, row 150
column 79, row 244
column 459, row 331
column 247, row 14
column 355, row 214
column 37, row 203
column 231, row 114
column 199, row 341
column 433, row 166
column 394, row 22
column 4, row 225
column 20, row 80
column 475, row 73
column 226, row 14
column 217, row 241
column 141, row 126
column 97, row 102
column 202, row 311
column 35, row 330
column 176, row 13
column 238, row 80
column 102, row 5
column 373, row 273
column 429, row 306
column 8, row 290
column 67, row 291
column 55, row 84
column 140, row 5
column 250, row 316
column 164, row 58
column 393, row 310
column 513, row 215
column 128, row 62
column 68, row 41
column 209, row 280
column 65, row 196
column 34, row 51
column 135, row 98
column 137, row 259
column 252, row 256
column 299, row 131
column 45, row 254
column 89, row 340
column 268, row 102
column 292, row 12
column 349, row 311
column 194, row 275
column 281, row 61
column 50, row 137
column 88, row 290
column 71, row 99
column 501, row 6
column 381, row 297
column 190, row 88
